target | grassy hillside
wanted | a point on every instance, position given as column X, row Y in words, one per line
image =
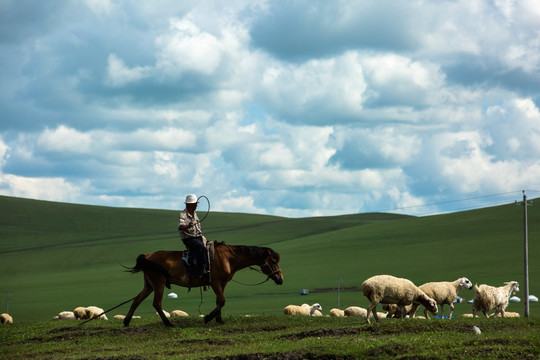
column 56, row 256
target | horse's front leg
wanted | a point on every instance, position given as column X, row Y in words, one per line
column 220, row 303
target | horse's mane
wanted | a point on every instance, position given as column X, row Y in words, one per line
column 253, row 251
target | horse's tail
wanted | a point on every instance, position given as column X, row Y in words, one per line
column 143, row 264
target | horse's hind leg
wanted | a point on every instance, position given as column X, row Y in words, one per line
column 147, row 290
column 158, row 296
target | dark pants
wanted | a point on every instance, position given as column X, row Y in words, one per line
column 197, row 253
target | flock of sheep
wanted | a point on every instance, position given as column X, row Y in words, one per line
column 401, row 298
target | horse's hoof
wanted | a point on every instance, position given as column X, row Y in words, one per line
column 207, row 319
column 219, row 321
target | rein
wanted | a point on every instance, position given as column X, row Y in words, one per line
column 268, row 277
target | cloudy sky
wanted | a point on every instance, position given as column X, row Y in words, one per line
column 291, row 108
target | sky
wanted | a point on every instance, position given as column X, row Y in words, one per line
column 290, row 108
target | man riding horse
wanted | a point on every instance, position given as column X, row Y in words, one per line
column 189, row 228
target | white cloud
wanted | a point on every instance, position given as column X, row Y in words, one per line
column 118, row 74
column 187, row 48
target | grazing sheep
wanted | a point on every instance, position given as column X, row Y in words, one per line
column 387, row 289
column 92, row 311
column 5, row 318
column 355, row 311
column 304, row 309
column 395, row 311
column 65, row 315
column 178, row 313
column 443, row 292
column 80, row 312
column 337, row 313
column 488, row 297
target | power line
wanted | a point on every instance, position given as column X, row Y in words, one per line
column 455, row 201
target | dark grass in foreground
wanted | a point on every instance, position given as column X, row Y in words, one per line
column 274, row 337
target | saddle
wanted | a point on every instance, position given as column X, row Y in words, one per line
column 189, row 261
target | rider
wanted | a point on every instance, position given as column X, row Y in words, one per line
column 189, row 228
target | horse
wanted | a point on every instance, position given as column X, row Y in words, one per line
column 162, row 268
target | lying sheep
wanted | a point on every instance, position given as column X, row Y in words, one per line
column 488, row 297
column 65, row 315
column 316, row 313
column 355, row 311
column 119, row 317
column 337, row 313
column 304, row 309
column 443, row 292
column 167, row 314
column 387, row 289
column 506, row 314
column 178, row 313
column 5, row 318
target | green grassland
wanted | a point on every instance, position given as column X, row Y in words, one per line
column 56, row 256
column 274, row 337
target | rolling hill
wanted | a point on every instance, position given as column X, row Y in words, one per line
column 57, row 256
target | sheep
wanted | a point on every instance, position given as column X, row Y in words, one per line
column 355, row 311
column 92, row 311
column 488, row 297
column 337, row 313
column 316, row 313
column 395, row 311
column 167, row 314
column 443, row 292
column 506, row 314
column 80, row 312
column 65, row 315
column 119, row 317
column 304, row 309
column 466, row 315
column 178, row 313
column 5, row 318
column 388, row 289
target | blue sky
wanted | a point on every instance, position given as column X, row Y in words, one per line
column 291, row 108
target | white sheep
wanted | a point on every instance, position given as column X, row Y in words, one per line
column 355, row 311
column 506, row 314
column 167, row 314
column 92, row 311
column 80, row 312
column 119, row 317
column 337, row 313
column 488, row 297
column 388, row 289
column 178, row 313
column 65, row 315
column 5, row 318
column 395, row 311
column 304, row 309
column 443, row 292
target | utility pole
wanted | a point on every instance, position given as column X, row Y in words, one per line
column 525, row 253
column 338, row 290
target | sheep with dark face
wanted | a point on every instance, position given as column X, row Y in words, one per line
column 388, row 289
column 443, row 292
column 488, row 297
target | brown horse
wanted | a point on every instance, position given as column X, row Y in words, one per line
column 162, row 268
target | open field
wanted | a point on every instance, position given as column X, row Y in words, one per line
column 274, row 337
column 55, row 256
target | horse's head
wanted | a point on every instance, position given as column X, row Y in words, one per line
column 271, row 266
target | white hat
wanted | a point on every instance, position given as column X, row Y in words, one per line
column 191, row 199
